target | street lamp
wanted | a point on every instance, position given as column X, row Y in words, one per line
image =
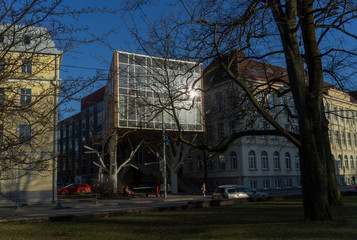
column 164, row 155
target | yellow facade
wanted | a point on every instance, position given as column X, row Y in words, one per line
column 29, row 83
column 341, row 112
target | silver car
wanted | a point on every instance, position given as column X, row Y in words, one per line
column 236, row 191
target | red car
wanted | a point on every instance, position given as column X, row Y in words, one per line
column 73, row 188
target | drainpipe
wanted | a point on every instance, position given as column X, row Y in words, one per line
column 55, row 115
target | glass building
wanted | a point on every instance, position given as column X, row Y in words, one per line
column 143, row 89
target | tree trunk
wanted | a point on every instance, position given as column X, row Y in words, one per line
column 307, row 94
column 333, row 191
column 313, row 164
column 174, row 183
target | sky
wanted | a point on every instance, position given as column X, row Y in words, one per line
column 86, row 59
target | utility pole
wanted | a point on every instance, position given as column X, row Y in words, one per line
column 164, row 153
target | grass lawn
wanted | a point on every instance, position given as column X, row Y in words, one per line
column 254, row 220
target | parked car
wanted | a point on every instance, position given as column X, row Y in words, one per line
column 73, row 188
column 236, row 191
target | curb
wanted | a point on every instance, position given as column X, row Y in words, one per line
column 68, row 217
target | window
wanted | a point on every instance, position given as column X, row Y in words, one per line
column 271, row 101
column 220, row 129
column 289, row 183
column 24, row 134
column 337, row 137
column 2, row 65
column 352, row 163
column 266, row 184
column 282, row 103
column 221, row 163
column 254, row 184
column 219, row 100
column 292, row 106
column 199, row 164
column 264, row 158
column 343, row 135
column 327, row 115
column 25, row 96
column 276, row 158
column 334, row 112
column 339, row 162
column 2, row 96
column 233, row 160
column 189, row 166
column 252, row 160
column 26, row 66
column 262, row 126
column 278, row 184
column 355, row 139
column 297, row 162
column 349, row 139
column 27, row 40
column 288, row 160
column 232, row 127
column 346, row 161
column 341, row 114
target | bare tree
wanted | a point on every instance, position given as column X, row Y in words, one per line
column 304, row 34
column 33, row 39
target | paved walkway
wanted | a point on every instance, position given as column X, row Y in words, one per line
column 77, row 208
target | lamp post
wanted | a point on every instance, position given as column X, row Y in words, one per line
column 164, row 155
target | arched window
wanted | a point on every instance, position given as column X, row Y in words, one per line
column 221, row 163
column 346, row 161
column 265, row 160
column 276, row 159
column 339, row 161
column 351, row 162
column 233, row 160
column 252, row 160
column 288, row 160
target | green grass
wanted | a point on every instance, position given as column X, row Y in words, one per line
column 253, row 220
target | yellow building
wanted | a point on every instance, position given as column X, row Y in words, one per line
column 341, row 109
column 29, row 81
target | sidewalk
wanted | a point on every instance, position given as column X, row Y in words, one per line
column 79, row 208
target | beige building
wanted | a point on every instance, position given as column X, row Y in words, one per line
column 29, row 81
column 265, row 162
column 341, row 109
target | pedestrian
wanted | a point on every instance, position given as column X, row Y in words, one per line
column 203, row 188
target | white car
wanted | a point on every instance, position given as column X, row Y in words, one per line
column 236, row 191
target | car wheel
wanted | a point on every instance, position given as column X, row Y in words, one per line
column 83, row 191
column 63, row 193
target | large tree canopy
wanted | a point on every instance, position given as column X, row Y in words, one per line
column 313, row 39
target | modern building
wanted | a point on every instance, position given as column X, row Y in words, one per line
column 83, row 129
column 265, row 162
column 144, row 96
column 29, row 82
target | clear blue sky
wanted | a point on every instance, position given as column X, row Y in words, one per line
column 85, row 59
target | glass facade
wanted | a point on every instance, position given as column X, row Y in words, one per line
column 151, row 86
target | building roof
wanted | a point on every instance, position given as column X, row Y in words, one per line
column 92, row 98
column 256, row 70
column 26, row 39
